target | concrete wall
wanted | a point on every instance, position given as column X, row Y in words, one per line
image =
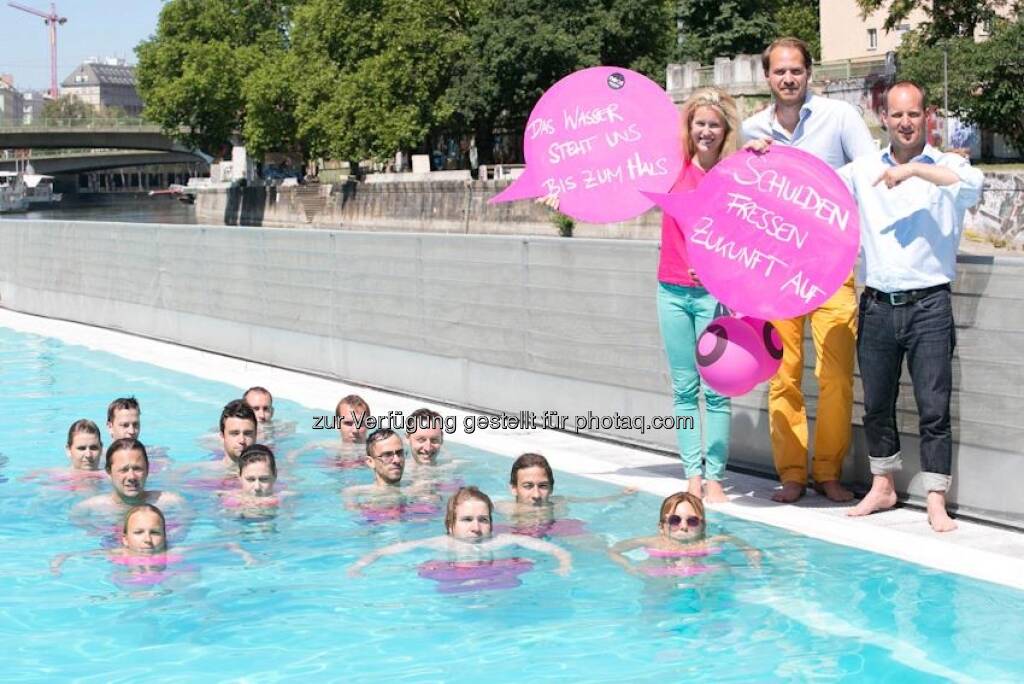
column 461, row 207
column 488, row 322
column 432, row 206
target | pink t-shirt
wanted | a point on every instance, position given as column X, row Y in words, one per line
column 674, row 266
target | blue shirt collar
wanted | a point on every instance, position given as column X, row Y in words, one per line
column 929, row 155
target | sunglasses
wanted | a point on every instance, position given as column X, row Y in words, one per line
column 676, row 521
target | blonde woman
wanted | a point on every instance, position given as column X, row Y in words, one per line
column 711, row 132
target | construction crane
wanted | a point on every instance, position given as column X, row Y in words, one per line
column 52, row 20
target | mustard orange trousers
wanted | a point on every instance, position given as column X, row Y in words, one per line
column 834, row 328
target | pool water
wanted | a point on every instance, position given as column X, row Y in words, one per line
column 811, row 611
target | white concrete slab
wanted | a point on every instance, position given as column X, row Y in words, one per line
column 984, row 552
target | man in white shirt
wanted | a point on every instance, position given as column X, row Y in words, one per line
column 834, row 132
column 912, row 199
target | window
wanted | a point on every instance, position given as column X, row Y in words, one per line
column 872, row 39
column 902, row 28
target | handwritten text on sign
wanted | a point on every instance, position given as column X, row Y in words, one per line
column 771, row 235
column 594, row 139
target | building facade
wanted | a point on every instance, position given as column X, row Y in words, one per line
column 10, row 101
column 103, row 84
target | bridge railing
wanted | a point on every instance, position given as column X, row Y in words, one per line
column 99, row 123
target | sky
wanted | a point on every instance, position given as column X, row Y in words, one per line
column 95, row 28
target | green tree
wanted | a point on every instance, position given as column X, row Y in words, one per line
column 800, row 19
column 985, row 79
column 191, row 72
column 517, row 49
column 722, row 28
column 67, row 109
column 948, row 18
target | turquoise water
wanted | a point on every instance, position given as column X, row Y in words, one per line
column 812, row 611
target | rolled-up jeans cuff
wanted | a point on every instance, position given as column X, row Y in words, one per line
column 886, row 465
column 936, row 482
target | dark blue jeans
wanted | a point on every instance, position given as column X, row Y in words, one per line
column 922, row 332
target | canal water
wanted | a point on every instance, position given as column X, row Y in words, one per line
column 134, row 209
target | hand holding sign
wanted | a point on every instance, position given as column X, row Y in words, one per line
column 771, row 235
column 594, row 139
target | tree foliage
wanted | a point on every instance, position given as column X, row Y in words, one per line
column 726, row 28
column 985, row 79
column 947, row 18
column 363, row 78
column 67, row 108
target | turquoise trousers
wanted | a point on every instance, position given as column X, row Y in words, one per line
column 683, row 313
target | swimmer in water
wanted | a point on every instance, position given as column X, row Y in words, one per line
column 385, row 457
column 261, row 402
column 350, row 416
column 124, row 421
column 143, row 549
column 534, row 505
column 680, row 542
column 84, row 450
column 127, row 465
column 469, row 536
column 257, row 474
column 237, row 431
column 424, row 432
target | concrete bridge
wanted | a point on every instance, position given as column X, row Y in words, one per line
column 89, row 133
column 112, row 159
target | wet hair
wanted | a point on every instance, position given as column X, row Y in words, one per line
column 257, row 388
column 378, row 436
column 422, row 418
column 725, row 106
column 236, row 408
column 124, row 444
column 257, row 453
column 83, row 425
column 469, row 493
column 141, row 508
column 530, row 461
column 122, row 404
column 668, row 506
column 789, row 42
column 905, row 83
column 355, row 402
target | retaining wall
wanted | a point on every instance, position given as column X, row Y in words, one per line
column 489, row 322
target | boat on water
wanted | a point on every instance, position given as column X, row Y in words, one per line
column 13, row 196
column 39, row 191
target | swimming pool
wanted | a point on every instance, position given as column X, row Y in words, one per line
column 813, row 610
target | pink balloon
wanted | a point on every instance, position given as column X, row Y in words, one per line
column 771, row 235
column 728, row 356
column 594, row 139
column 769, row 352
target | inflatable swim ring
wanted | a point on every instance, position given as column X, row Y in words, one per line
column 457, row 577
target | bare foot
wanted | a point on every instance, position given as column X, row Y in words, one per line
column 715, row 492
column 834, row 491
column 881, row 497
column 695, row 486
column 938, row 518
column 790, row 493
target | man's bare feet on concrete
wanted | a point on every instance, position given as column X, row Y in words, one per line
column 715, row 492
column 938, row 518
column 834, row 491
column 790, row 492
column 881, row 497
column 695, row 486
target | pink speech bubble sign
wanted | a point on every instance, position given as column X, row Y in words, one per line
column 771, row 235
column 594, row 139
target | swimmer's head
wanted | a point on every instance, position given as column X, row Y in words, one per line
column 682, row 517
column 124, row 418
column 261, row 402
column 128, row 466
column 469, row 515
column 531, row 481
column 257, row 471
column 424, row 430
column 385, row 456
column 350, row 413
column 237, row 428
column 145, row 530
column 84, row 446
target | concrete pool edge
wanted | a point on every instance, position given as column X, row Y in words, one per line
column 978, row 551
